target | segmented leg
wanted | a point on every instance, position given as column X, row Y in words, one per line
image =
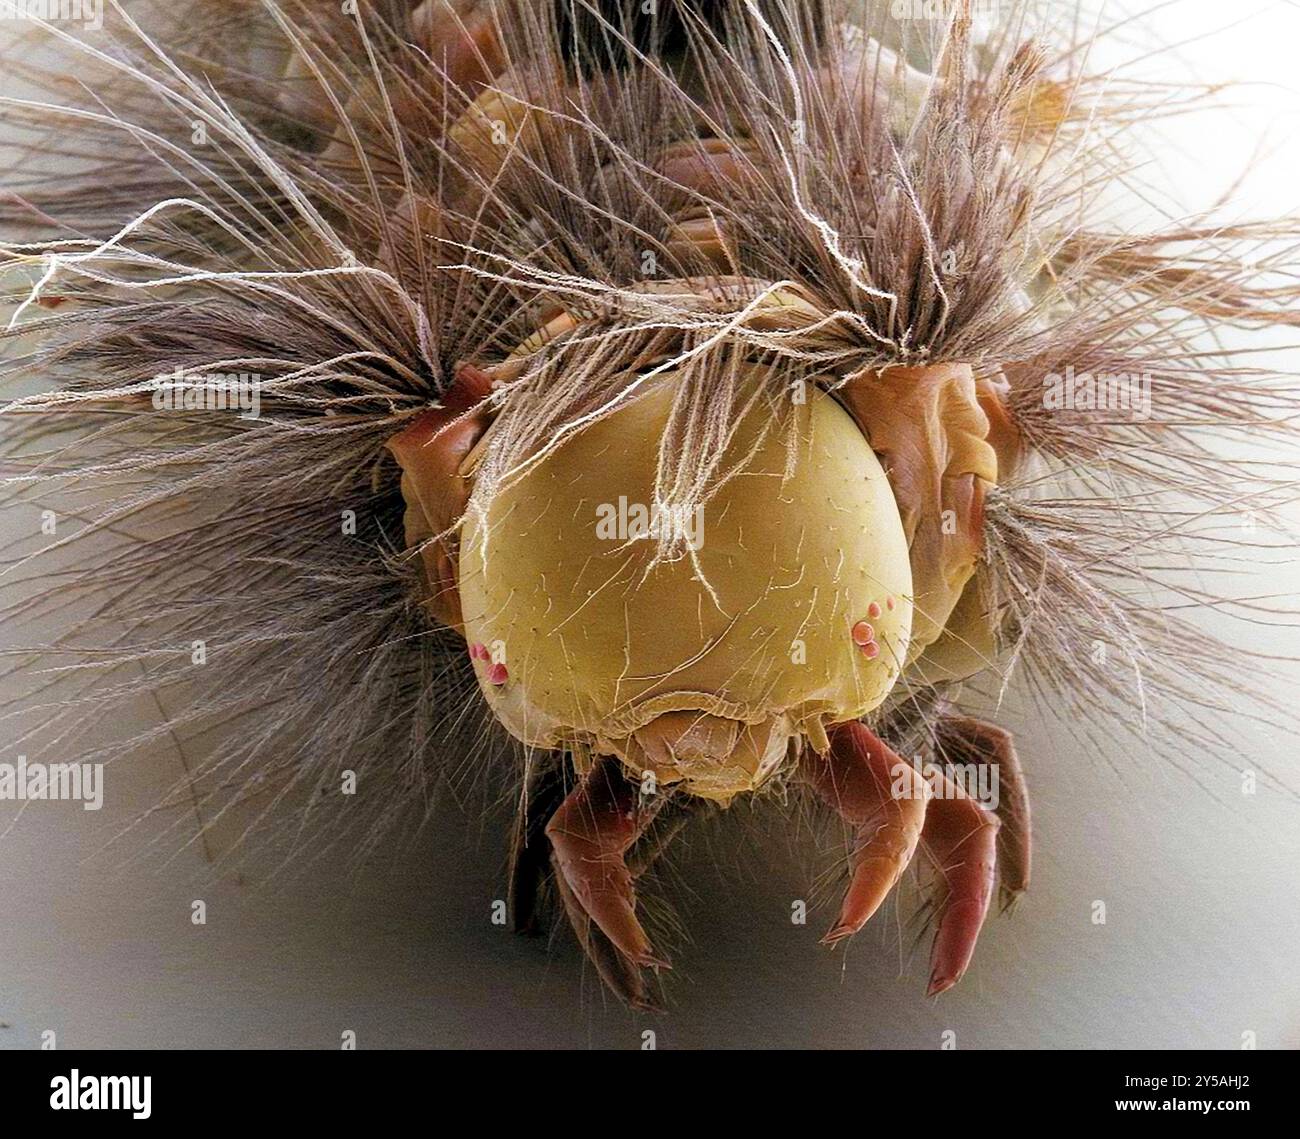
column 966, row 740
column 622, row 976
column 892, row 806
column 590, row 834
column 960, row 837
column 531, row 865
column 883, row 797
column 625, row 979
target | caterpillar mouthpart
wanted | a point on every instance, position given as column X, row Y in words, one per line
column 712, row 757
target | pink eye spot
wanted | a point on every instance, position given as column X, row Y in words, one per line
column 890, row 602
column 497, row 674
column 873, row 610
column 871, row 650
column 863, row 634
column 478, row 652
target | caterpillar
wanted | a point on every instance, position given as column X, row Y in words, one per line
column 640, row 407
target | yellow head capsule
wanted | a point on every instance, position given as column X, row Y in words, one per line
column 702, row 667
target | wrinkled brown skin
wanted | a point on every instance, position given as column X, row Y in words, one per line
column 431, row 452
column 459, row 37
column 943, row 438
column 928, row 428
column 714, row 169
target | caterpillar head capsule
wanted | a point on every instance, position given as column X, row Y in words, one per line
column 703, row 643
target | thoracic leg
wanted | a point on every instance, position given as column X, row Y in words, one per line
column 966, row 740
column 884, row 799
column 531, row 864
column 590, row 834
column 960, row 837
column 892, row 806
column 624, row 979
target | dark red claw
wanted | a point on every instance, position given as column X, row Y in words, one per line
column 857, row 778
column 590, row 834
column 961, row 839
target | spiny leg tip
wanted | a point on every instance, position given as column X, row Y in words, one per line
column 838, row 934
column 941, row 985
